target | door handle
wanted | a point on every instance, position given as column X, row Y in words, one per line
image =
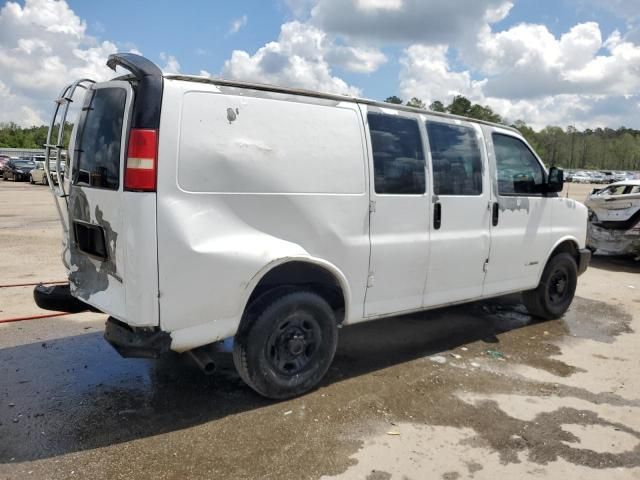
column 495, row 214
column 437, row 215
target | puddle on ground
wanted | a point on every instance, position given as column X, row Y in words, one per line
column 381, row 378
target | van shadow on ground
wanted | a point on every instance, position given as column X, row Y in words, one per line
column 76, row 393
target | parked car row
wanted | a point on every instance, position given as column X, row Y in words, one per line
column 23, row 169
column 599, row 177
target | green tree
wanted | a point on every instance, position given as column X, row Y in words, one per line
column 394, row 99
column 415, row 102
column 459, row 106
column 437, row 106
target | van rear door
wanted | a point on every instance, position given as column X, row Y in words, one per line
column 112, row 232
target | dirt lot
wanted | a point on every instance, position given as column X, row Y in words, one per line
column 479, row 391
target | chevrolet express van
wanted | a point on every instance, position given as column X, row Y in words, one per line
column 197, row 210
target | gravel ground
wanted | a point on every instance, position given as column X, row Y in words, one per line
column 475, row 391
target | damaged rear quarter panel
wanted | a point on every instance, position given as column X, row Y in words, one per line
column 96, row 281
column 238, row 192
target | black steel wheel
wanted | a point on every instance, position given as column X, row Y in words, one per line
column 286, row 343
column 553, row 296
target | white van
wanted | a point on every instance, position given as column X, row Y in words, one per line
column 200, row 210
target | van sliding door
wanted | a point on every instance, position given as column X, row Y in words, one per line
column 459, row 246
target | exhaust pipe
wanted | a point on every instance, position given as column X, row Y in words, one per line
column 203, row 360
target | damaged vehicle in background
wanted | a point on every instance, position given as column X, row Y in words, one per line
column 614, row 219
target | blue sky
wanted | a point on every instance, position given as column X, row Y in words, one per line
column 557, row 62
column 199, row 35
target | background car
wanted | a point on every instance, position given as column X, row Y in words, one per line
column 581, row 177
column 38, row 175
column 18, row 169
column 3, row 160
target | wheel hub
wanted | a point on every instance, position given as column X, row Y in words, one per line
column 293, row 344
column 296, row 345
column 558, row 284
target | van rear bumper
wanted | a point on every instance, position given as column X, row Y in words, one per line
column 136, row 342
column 583, row 260
column 58, row 298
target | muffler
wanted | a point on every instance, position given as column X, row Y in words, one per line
column 203, row 360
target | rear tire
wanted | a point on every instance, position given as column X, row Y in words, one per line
column 553, row 296
column 286, row 343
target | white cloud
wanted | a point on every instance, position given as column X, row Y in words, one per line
column 414, row 21
column 527, row 73
column 369, row 5
column 426, row 74
column 356, row 59
column 44, row 45
column 237, row 24
column 171, row 64
column 299, row 58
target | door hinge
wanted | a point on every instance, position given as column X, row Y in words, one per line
column 370, row 280
column 372, row 206
column 485, row 267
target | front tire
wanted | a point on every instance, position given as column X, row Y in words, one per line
column 286, row 343
column 553, row 296
column 31, row 180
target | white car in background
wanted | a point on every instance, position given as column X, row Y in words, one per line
column 38, row 174
column 582, row 177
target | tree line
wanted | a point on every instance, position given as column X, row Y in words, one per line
column 589, row 149
column 593, row 149
column 14, row 136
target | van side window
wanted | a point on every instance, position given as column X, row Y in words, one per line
column 98, row 139
column 519, row 171
column 456, row 159
column 398, row 157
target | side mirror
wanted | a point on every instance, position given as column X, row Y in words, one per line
column 555, row 180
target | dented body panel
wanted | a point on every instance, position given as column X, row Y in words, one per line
column 246, row 183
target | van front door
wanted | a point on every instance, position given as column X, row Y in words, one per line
column 460, row 236
column 521, row 230
column 399, row 218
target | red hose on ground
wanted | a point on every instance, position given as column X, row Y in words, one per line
column 34, row 317
column 33, row 284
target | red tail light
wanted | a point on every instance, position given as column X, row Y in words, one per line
column 142, row 160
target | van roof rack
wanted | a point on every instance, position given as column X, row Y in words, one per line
column 329, row 96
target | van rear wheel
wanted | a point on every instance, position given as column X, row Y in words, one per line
column 557, row 287
column 286, row 344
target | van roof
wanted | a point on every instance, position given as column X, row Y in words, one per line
column 145, row 70
column 329, row 96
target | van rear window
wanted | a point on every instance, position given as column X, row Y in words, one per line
column 99, row 139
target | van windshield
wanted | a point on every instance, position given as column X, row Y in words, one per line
column 99, row 138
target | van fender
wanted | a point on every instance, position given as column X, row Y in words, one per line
column 330, row 267
column 566, row 238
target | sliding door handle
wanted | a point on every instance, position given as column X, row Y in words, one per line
column 437, row 215
column 495, row 214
